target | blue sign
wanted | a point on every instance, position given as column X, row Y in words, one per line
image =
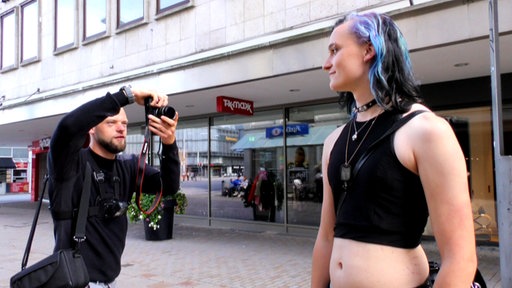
column 291, row 130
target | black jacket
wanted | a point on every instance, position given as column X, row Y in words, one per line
column 67, row 159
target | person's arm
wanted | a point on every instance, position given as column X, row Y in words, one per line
column 71, row 133
column 165, row 128
column 325, row 237
column 170, row 169
column 442, row 169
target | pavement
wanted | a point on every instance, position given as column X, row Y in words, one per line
column 202, row 257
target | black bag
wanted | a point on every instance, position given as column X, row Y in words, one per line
column 64, row 268
column 478, row 281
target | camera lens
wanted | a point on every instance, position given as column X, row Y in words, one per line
column 167, row 111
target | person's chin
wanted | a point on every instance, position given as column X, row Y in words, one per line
column 120, row 145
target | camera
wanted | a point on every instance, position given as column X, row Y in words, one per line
column 111, row 208
column 167, row 111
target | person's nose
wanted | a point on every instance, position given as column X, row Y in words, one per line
column 120, row 128
column 327, row 64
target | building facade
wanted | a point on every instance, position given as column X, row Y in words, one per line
column 56, row 55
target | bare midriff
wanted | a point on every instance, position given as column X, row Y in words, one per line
column 359, row 264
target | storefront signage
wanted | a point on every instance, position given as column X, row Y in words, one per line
column 41, row 143
column 234, row 105
column 18, row 187
column 291, row 130
column 21, row 165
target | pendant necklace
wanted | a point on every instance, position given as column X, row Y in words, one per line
column 346, row 169
column 356, row 131
column 360, row 109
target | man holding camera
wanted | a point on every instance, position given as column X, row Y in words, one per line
column 103, row 122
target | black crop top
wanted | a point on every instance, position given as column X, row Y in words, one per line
column 385, row 203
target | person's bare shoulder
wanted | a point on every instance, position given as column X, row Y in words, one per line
column 331, row 139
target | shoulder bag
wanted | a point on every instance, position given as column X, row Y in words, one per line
column 64, row 268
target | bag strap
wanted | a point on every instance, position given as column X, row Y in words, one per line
column 402, row 121
column 33, row 228
column 82, row 215
column 84, row 206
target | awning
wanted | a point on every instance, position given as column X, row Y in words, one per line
column 257, row 140
column 7, row 163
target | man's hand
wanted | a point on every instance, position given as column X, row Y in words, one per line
column 164, row 127
column 157, row 99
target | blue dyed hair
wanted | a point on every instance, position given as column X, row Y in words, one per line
column 391, row 77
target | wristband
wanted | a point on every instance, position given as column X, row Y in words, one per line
column 128, row 93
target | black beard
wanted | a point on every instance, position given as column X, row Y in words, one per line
column 110, row 147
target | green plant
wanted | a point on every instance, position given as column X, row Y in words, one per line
column 135, row 214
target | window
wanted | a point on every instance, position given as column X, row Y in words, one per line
column 192, row 140
column 8, row 41
column 507, row 129
column 20, row 153
column 5, row 152
column 129, row 12
column 247, row 168
column 166, row 5
column 95, row 19
column 30, row 32
column 65, row 24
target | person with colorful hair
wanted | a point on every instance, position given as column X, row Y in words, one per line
column 386, row 171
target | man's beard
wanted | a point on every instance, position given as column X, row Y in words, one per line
column 110, row 146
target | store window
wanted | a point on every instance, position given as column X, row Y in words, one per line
column 192, row 139
column 306, row 131
column 129, row 13
column 5, row 152
column 95, row 19
column 30, row 32
column 8, row 49
column 65, row 24
column 20, row 153
column 473, row 128
column 249, row 184
column 507, row 129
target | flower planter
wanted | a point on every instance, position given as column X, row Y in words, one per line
column 166, row 223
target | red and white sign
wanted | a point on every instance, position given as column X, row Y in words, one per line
column 21, row 165
column 41, row 143
column 18, row 187
column 234, row 105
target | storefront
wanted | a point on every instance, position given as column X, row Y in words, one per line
column 6, row 166
column 279, row 151
column 13, row 170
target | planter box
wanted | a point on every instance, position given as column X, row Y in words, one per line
column 166, row 224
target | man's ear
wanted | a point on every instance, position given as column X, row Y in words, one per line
column 369, row 52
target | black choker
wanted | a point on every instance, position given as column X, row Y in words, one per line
column 364, row 107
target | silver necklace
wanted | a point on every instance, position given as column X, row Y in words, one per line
column 346, row 169
column 356, row 131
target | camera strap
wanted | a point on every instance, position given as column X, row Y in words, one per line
column 142, row 166
column 99, row 176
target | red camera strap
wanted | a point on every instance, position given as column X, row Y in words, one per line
column 140, row 175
